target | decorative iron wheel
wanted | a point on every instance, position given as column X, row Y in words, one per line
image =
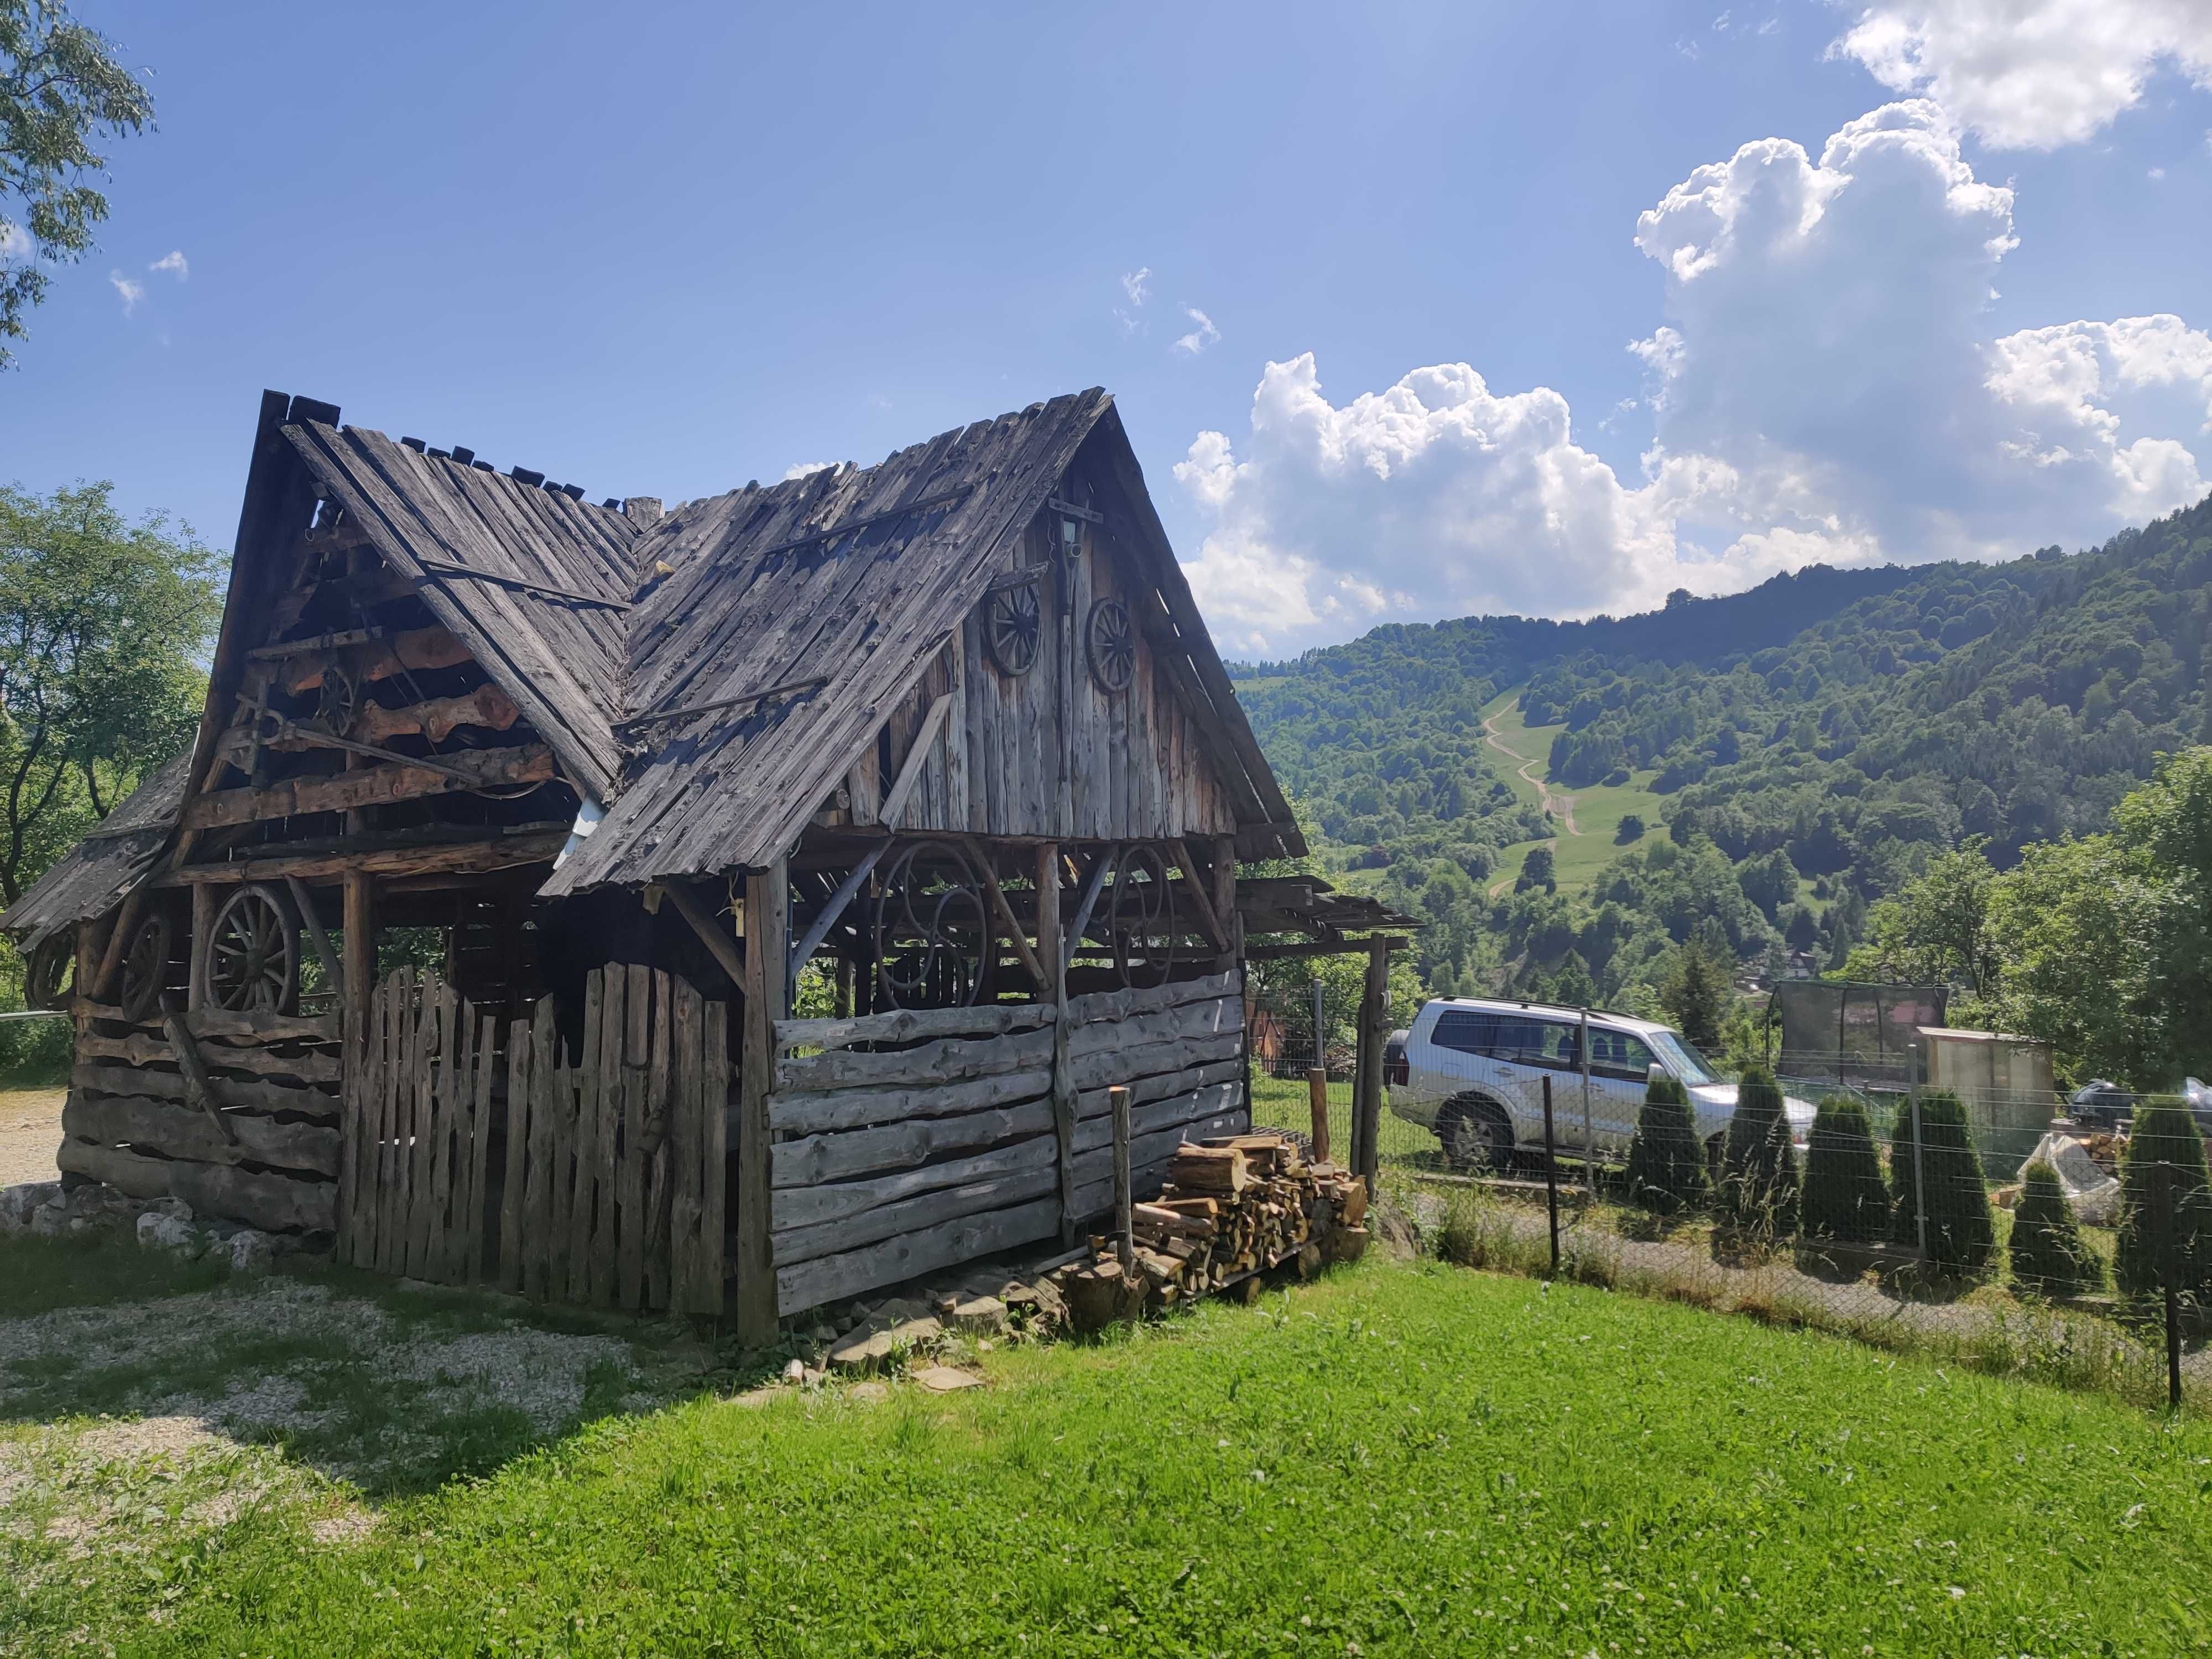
column 47, row 974
column 146, row 967
column 1111, row 640
column 933, row 943
column 254, row 953
column 1140, row 917
column 1013, row 625
column 339, row 703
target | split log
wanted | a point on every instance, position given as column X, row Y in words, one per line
column 818, row 1110
column 178, row 1132
column 1209, row 1170
column 438, row 718
column 950, row 1061
column 810, row 1284
column 1214, row 1017
column 273, row 1203
column 842, row 1155
column 140, row 1048
column 1112, row 1066
column 375, row 786
column 802, row 1206
column 914, row 1215
column 223, row 1026
column 271, row 1098
column 906, row 1024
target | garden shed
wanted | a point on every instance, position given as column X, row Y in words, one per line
column 736, row 907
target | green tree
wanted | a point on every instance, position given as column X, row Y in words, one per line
column 2166, row 1207
column 2048, row 1254
column 1961, row 1232
column 1631, row 827
column 1694, row 990
column 1844, row 1200
column 102, row 625
column 1666, row 1159
column 1539, row 869
column 1759, row 1168
column 61, row 89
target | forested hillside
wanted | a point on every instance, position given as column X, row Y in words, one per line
column 1809, row 747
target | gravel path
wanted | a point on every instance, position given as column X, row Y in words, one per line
column 30, row 1129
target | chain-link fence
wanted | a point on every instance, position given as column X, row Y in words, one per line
column 1993, row 1223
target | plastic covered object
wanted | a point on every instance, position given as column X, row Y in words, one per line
column 2095, row 1195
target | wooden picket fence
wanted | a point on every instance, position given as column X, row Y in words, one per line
column 599, row 1181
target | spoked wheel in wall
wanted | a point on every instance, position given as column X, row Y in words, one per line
column 1140, row 917
column 146, row 967
column 933, row 941
column 48, row 974
column 252, row 953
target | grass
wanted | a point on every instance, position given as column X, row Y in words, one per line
column 1598, row 809
column 1395, row 1460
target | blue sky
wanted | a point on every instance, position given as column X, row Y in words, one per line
column 705, row 244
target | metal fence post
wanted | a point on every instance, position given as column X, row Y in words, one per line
column 1550, row 1179
column 1919, row 1185
column 2167, row 1252
column 1590, row 1135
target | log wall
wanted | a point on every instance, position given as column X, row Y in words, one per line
column 911, row 1142
column 267, row 1156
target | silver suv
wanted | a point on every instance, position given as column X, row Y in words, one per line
column 1473, row 1071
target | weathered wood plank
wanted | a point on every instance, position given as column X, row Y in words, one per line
column 842, row 1155
column 1215, row 1100
column 1098, row 1006
column 918, row 1213
column 486, row 1050
column 1124, row 1065
column 435, row 1222
column 273, row 1203
column 139, row 1049
column 816, row 1112
column 268, row 1098
column 808, row 1206
column 1192, row 1019
column 375, row 785
column 220, row 1025
column 906, row 1024
column 713, row 1120
column 1093, row 1103
column 178, row 1132
column 392, row 996
column 513, row 1206
column 660, row 1082
column 545, row 1208
column 687, row 1159
column 768, row 991
column 950, row 1060
column 503, row 851
column 630, row 1176
column 810, row 1284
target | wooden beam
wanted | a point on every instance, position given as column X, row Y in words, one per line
column 358, row 1147
column 1201, row 901
column 1323, row 947
column 835, row 908
column 1052, row 949
column 917, row 759
column 1007, row 919
column 767, row 925
column 435, row 858
column 447, row 568
column 477, row 769
column 721, row 705
column 304, row 902
column 722, row 944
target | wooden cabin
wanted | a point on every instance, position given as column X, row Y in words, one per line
column 740, row 907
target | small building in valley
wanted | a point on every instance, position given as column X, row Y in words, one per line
column 736, row 907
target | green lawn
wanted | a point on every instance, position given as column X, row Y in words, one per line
column 1410, row 1459
column 1598, row 809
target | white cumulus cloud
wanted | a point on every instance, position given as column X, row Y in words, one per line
column 1825, row 386
column 174, row 263
column 803, row 469
column 2031, row 74
column 131, row 292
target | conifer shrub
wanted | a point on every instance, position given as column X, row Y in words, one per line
column 1844, row 1202
column 2166, row 1207
column 2048, row 1254
column 1759, row 1168
column 1666, row 1160
column 1961, row 1234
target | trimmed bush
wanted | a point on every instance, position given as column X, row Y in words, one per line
column 1666, row 1160
column 2048, row 1255
column 1961, row 1234
column 1845, row 1200
column 1758, row 1169
column 2165, row 1206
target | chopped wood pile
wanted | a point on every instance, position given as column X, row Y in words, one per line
column 1234, row 1208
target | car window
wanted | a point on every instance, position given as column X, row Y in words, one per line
column 1688, row 1065
column 1618, row 1055
column 1525, row 1039
column 1466, row 1030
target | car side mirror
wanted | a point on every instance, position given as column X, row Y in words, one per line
column 1654, row 1072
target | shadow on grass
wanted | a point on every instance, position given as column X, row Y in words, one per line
column 394, row 1388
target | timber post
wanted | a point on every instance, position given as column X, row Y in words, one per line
column 768, row 999
column 1374, row 1031
column 358, row 925
column 1052, row 952
column 1125, row 1237
column 204, row 910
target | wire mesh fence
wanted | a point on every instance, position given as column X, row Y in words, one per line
column 1996, row 1224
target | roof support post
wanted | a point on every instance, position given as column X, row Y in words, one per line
column 767, row 999
column 1048, row 947
column 359, row 984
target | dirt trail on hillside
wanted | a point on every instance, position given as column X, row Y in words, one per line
column 1561, row 807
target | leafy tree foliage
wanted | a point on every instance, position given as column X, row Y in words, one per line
column 61, row 89
column 2048, row 1254
column 1844, row 1199
column 102, row 626
column 1666, row 1160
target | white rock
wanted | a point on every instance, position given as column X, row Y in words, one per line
column 795, row 1371
column 252, row 1252
column 157, row 1231
column 19, row 1202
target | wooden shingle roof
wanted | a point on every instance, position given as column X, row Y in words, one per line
column 87, row 880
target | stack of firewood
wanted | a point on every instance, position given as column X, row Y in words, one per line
column 1232, row 1209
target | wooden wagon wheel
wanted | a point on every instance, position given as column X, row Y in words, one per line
column 47, row 975
column 339, row 703
column 1111, row 640
column 1141, row 920
column 146, row 967
column 252, row 954
column 1013, row 622
column 932, row 940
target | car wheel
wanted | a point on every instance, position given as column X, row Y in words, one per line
column 1475, row 1133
